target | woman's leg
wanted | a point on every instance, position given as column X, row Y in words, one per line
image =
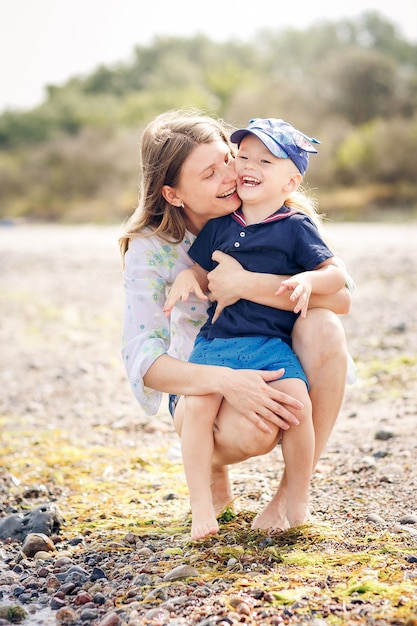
column 320, row 343
column 298, row 451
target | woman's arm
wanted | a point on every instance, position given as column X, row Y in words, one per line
column 246, row 390
column 229, row 282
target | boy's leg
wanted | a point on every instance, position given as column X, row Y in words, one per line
column 220, row 484
column 298, row 453
column 197, row 444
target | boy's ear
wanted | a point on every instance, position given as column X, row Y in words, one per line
column 170, row 196
column 294, row 182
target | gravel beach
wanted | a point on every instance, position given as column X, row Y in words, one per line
column 72, row 435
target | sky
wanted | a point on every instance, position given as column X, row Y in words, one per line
column 49, row 41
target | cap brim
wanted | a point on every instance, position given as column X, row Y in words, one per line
column 275, row 148
column 238, row 135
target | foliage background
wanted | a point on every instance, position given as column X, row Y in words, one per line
column 350, row 83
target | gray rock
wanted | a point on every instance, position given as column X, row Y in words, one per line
column 408, row 519
column 44, row 518
column 384, row 435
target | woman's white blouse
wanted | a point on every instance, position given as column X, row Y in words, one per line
column 151, row 265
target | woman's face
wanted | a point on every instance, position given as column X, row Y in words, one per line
column 207, row 184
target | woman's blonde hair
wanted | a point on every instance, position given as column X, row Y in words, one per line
column 166, row 143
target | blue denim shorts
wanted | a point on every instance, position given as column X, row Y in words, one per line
column 172, row 403
column 255, row 353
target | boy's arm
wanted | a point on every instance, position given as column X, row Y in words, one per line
column 192, row 280
column 326, row 279
column 229, row 282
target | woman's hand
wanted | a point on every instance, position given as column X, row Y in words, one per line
column 248, row 392
column 224, row 281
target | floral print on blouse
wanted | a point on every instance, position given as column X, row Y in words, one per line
column 151, row 265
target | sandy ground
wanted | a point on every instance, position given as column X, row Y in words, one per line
column 61, row 302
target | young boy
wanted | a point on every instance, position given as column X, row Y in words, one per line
column 274, row 231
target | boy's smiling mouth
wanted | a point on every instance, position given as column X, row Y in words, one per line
column 249, row 181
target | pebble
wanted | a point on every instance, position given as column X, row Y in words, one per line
column 42, row 555
column 384, row 435
column 37, row 542
column 97, row 574
column 374, row 518
column 158, row 616
column 408, row 519
column 66, row 615
column 181, row 571
column 87, row 615
column 82, row 597
column 57, row 603
column 145, row 552
column 111, row 619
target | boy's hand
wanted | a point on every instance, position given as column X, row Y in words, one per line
column 301, row 291
column 184, row 284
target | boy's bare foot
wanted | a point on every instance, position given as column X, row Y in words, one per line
column 204, row 522
column 221, row 491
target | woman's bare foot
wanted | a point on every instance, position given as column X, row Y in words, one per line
column 298, row 513
column 221, row 491
column 204, row 521
column 274, row 515
column 270, row 519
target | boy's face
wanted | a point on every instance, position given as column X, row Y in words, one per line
column 261, row 176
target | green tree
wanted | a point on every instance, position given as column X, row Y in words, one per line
column 359, row 84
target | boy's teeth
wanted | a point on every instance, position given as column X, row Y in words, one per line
column 250, row 181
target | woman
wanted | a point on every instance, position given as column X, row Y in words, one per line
column 188, row 178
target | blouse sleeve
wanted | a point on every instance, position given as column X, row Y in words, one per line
column 151, row 265
column 145, row 327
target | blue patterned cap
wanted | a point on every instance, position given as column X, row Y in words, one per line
column 281, row 139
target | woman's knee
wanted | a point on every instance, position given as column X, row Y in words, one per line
column 320, row 332
column 245, row 440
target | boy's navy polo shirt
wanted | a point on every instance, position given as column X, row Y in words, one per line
column 287, row 242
